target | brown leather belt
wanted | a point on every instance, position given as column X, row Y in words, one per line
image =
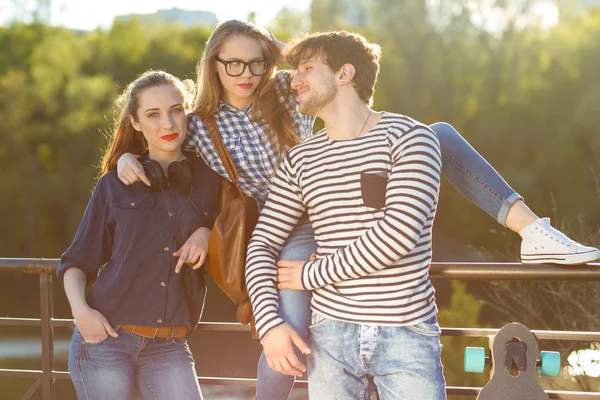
column 165, row 332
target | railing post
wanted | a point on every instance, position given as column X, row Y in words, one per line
column 47, row 313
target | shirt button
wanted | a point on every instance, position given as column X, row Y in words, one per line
column 205, row 213
column 166, row 248
column 170, row 214
column 132, row 204
column 159, row 321
column 163, row 284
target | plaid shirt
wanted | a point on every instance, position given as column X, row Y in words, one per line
column 253, row 154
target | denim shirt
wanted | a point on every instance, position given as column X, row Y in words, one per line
column 125, row 242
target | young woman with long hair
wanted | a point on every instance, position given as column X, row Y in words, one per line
column 132, row 244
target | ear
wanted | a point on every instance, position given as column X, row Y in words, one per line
column 135, row 125
column 346, row 74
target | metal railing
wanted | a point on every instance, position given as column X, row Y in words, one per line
column 45, row 268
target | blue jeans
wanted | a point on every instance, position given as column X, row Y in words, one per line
column 472, row 175
column 464, row 168
column 294, row 307
column 402, row 361
column 158, row 368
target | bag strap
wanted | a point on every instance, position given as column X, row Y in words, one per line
column 217, row 140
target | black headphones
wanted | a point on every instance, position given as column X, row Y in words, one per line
column 180, row 176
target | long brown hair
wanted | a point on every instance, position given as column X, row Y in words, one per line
column 266, row 107
column 123, row 138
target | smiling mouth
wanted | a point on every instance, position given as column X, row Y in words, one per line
column 169, row 137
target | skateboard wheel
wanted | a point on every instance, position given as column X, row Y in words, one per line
column 550, row 363
column 474, row 359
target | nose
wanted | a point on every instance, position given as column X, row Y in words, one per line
column 296, row 81
column 168, row 122
column 247, row 73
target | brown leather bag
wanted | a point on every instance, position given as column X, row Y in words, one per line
column 228, row 243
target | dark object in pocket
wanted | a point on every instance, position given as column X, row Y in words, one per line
column 372, row 187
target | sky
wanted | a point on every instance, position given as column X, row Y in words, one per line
column 89, row 14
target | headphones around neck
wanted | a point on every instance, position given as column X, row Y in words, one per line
column 180, row 176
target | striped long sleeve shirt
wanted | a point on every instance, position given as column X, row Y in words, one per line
column 371, row 202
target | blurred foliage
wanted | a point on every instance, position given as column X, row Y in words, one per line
column 524, row 97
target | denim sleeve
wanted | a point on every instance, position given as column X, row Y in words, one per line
column 212, row 193
column 92, row 245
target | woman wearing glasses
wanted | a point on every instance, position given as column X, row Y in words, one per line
column 255, row 111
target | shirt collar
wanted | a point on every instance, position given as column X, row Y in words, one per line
column 190, row 155
column 226, row 107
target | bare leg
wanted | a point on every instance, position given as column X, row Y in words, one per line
column 519, row 216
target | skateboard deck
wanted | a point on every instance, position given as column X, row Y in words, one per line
column 514, row 365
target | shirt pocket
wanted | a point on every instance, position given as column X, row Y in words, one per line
column 135, row 202
column 237, row 151
column 372, row 187
column 135, row 213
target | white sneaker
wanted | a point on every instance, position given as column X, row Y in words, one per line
column 544, row 244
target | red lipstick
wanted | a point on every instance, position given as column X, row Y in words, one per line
column 170, row 136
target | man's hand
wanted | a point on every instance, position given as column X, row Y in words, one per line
column 129, row 170
column 92, row 325
column 289, row 274
column 194, row 250
column 279, row 351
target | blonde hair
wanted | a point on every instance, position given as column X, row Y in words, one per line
column 266, row 107
column 123, row 138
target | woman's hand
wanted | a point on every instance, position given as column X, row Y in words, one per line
column 194, row 250
column 282, row 49
column 129, row 170
column 93, row 326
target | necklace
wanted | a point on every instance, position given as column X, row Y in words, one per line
column 365, row 124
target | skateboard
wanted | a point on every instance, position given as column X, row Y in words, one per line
column 514, row 365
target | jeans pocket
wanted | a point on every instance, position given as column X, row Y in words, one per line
column 316, row 320
column 95, row 343
column 178, row 341
column 429, row 327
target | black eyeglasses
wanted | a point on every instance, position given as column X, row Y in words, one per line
column 237, row 67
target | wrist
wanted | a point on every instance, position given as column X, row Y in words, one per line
column 80, row 310
column 303, row 275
